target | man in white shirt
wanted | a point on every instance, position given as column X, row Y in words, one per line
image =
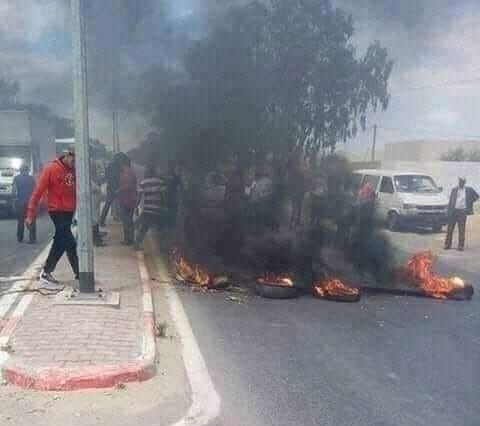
column 460, row 206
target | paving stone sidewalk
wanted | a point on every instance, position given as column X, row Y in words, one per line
column 71, row 336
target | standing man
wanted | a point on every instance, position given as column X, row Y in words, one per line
column 23, row 185
column 112, row 176
column 58, row 180
column 153, row 191
column 96, row 190
column 460, row 206
column 127, row 200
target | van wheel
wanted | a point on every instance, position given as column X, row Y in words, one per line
column 393, row 221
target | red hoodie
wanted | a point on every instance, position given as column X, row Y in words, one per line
column 59, row 183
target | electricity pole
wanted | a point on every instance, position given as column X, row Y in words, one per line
column 114, row 99
column 374, row 142
column 80, row 99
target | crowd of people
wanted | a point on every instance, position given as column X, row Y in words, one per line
column 141, row 205
column 154, row 202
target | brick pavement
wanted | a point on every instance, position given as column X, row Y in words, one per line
column 75, row 336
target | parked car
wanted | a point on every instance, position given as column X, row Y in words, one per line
column 405, row 198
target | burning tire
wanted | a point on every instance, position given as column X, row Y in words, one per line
column 220, row 282
column 346, row 298
column 336, row 291
column 275, row 291
column 465, row 293
column 273, row 286
column 419, row 272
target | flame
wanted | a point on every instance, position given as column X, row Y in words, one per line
column 334, row 287
column 272, row 279
column 192, row 273
column 418, row 271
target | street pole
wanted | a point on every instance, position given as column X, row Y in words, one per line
column 374, row 142
column 80, row 99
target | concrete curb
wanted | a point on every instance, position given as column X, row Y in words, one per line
column 90, row 377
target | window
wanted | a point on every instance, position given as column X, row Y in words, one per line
column 387, row 186
column 416, row 184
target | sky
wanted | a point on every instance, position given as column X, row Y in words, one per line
column 435, row 85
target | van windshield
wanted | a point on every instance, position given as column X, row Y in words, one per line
column 416, row 184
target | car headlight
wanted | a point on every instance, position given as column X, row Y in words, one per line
column 409, row 206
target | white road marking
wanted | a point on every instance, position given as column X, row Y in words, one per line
column 205, row 405
column 13, row 278
column 9, row 299
column 147, row 303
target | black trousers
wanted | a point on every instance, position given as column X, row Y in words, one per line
column 459, row 217
column 21, row 210
column 126, row 215
column 111, row 195
column 63, row 241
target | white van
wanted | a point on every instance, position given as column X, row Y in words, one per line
column 404, row 198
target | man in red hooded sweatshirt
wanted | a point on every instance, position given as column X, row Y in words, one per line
column 58, row 181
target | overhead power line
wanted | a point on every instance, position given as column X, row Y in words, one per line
column 435, row 86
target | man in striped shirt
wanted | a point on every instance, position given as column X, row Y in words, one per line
column 153, row 191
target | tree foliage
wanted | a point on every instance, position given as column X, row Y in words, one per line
column 273, row 76
column 461, row 154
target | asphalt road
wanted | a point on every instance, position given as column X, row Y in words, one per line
column 16, row 257
column 387, row 361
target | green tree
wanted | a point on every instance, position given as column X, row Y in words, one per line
column 455, row 154
column 322, row 90
column 273, row 77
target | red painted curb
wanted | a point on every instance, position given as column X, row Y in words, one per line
column 90, row 377
column 94, row 377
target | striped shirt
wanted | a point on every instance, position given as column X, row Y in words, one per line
column 154, row 191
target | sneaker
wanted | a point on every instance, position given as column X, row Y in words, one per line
column 46, row 278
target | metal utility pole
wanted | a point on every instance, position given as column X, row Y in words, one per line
column 114, row 99
column 115, row 137
column 374, row 142
column 80, row 99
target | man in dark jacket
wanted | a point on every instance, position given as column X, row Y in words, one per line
column 112, row 175
column 23, row 185
column 460, row 206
